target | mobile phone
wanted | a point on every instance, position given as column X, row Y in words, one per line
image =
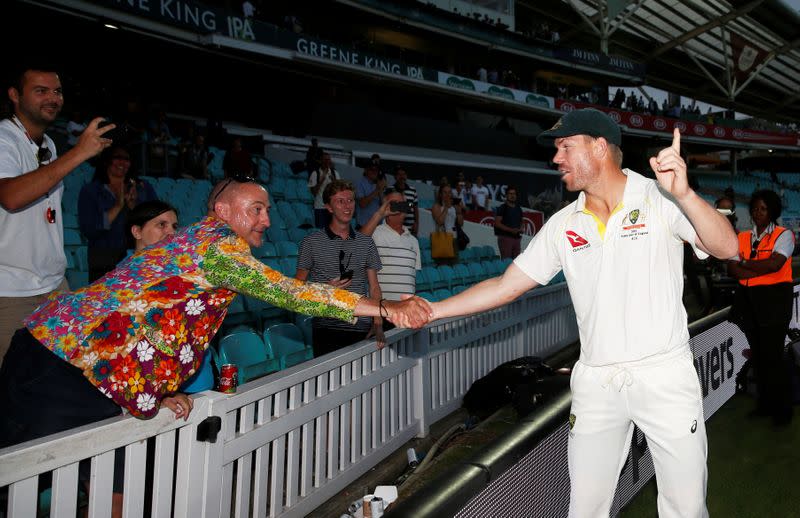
column 346, row 275
column 401, row 206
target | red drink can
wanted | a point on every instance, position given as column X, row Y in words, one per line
column 228, row 378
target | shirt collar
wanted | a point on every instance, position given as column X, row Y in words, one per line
column 633, row 187
column 332, row 235
column 405, row 231
column 767, row 231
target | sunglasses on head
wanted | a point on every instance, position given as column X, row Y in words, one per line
column 238, row 178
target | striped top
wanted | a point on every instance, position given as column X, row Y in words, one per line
column 411, row 195
column 319, row 255
column 400, row 258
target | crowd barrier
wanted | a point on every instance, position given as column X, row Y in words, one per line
column 284, row 444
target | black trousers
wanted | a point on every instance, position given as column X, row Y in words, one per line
column 41, row 394
column 772, row 372
column 325, row 340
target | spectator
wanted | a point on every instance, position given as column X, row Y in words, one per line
column 508, row 225
column 763, row 302
column 103, row 205
column 727, row 208
column 480, row 195
column 248, row 11
column 32, row 261
column 139, row 333
column 314, row 156
column 369, row 190
column 195, row 159
column 150, row 222
column 345, row 259
column 160, row 135
column 483, row 74
column 446, row 215
column 75, row 127
column 317, row 181
column 411, row 219
column 237, row 161
column 397, row 248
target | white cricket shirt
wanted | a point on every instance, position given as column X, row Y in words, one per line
column 625, row 279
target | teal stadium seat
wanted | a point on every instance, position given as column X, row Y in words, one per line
column 447, row 274
column 247, row 351
column 288, row 345
column 462, row 272
column 287, row 249
column 77, row 279
column 304, row 323
column 81, row 255
column 267, row 249
column 442, row 294
column 422, row 283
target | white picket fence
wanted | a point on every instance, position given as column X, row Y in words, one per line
column 289, row 441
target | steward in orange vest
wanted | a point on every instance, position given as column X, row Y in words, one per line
column 762, row 306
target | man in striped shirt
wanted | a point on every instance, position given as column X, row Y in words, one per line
column 411, row 219
column 398, row 249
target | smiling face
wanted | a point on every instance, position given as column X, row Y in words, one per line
column 342, row 206
column 574, row 160
column 163, row 225
column 118, row 163
column 245, row 208
column 41, row 98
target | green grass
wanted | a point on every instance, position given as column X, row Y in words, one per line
column 753, row 467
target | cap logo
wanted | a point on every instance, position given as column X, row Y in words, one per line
column 557, row 125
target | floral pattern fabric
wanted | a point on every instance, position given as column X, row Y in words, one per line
column 141, row 330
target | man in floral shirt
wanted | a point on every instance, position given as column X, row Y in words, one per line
column 141, row 330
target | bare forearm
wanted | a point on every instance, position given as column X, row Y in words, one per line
column 750, row 268
column 486, row 295
column 19, row 192
column 713, row 229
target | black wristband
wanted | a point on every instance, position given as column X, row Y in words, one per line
column 382, row 308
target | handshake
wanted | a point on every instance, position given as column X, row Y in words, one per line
column 412, row 311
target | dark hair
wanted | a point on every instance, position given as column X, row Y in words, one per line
column 17, row 76
column 334, row 187
column 440, row 191
column 143, row 213
column 771, row 200
column 104, row 160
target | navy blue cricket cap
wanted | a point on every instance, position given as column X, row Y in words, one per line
column 586, row 121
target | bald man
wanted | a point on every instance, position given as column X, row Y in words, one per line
column 133, row 337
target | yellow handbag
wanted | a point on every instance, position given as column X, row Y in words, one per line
column 442, row 245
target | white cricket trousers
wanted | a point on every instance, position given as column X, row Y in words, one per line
column 662, row 396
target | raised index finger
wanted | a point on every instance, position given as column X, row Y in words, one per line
column 676, row 140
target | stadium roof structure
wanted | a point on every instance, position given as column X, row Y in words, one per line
column 695, row 48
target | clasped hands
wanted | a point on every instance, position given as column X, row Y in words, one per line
column 412, row 311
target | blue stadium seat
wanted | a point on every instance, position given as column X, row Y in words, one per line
column 459, row 289
column 427, row 259
column 237, row 313
column 424, row 243
column 490, row 268
column 463, row 275
column 476, row 272
column 81, row 255
column 488, row 252
column 288, row 344
column 447, row 275
column 296, row 235
column 70, row 219
column 77, row 279
column 427, row 295
column 422, row 281
column 263, row 311
column 277, row 234
column 434, row 278
column 247, row 351
column 442, row 294
column 287, row 249
column 304, row 323
column 70, row 259
column 267, row 249
column 499, row 265
column 288, row 266
column 72, row 237
column 272, row 262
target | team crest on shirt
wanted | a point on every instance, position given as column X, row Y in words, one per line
column 577, row 241
column 572, row 420
column 634, row 225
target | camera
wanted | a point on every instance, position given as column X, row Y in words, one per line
column 346, row 275
column 401, row 206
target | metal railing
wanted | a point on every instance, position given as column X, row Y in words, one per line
column 287, row 442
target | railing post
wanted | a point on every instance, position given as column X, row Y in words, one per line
column 199, row 464
column 422, row 381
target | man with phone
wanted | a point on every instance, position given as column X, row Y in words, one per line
column 411, row 218
column 32, row 261
column 346, row 259
column 397, row 247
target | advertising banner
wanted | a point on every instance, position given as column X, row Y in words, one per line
column 504, row 92
column 532, row 220
column 689, row 128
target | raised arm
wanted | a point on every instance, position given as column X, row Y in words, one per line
column 714, row 232
column 20, row 191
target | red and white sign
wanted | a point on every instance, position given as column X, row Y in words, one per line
column 665, row 125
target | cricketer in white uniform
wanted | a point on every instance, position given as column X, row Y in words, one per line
column 620, row 246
